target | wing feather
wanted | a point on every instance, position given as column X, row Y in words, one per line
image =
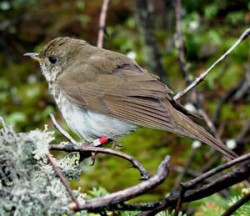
column 132, row 95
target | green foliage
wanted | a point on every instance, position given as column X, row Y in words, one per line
column 216, row 205
column 235, row 17
column 212, row 206
column 170, row 213
column 129, row 213
column 211, row 11
column 97, row 192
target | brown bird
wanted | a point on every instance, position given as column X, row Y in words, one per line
column 105, row 93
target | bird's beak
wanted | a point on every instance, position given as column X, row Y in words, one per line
column 34, row 56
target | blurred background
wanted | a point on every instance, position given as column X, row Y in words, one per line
column 145, row 31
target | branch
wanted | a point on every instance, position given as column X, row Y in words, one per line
column 29, row 185
column 115, row 200
column 216, row 170
column 221, row 183
column 204, row 74
column 61, row 130
column 102, row 21
column 63, row 180
column 129, row 193
column 83, row 149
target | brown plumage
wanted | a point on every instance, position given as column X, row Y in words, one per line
column 110, row 83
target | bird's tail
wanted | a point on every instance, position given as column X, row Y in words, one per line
column 191, row 129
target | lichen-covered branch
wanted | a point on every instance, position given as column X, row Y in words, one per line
column 28, row 183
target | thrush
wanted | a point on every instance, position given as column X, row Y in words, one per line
column 104, row 93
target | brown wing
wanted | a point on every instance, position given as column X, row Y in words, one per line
column 125, row 91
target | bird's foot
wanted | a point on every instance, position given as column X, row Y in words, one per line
column 93, row 158
column 115, row 144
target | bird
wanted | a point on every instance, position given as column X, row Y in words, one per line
column 105, row 93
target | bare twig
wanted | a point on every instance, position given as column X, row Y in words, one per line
column 102, row 21
column 61, row 130
column 63, row 180
column 221, row 183
column 86, row 149
column 244, row 35
column 129, row 193
column 209, row 123
column 214, row 171
column 196, row 181
column 237, row 205
column 179, row 200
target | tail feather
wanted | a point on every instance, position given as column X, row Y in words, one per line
column 193, row 130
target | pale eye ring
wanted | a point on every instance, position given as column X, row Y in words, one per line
column 52, row 59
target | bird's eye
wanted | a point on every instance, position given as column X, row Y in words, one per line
column 52, row 59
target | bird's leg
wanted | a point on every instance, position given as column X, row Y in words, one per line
column 98, row 142
column 102, row 140
column 93, row 158
column 115, row 144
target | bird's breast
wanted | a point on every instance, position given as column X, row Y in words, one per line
column 88, row 124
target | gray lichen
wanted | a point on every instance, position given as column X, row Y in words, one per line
column 28, row 184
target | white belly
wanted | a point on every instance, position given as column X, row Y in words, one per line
column 91, row 125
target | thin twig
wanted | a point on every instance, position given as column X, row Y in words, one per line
column 83, row 149
column 212, row 172
column 221, row 183
column 244, row 35
column 63, row 180
column 61, row 130
column 209, row 123
column 102, row 21
column 179, row 201
column 237, row 205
